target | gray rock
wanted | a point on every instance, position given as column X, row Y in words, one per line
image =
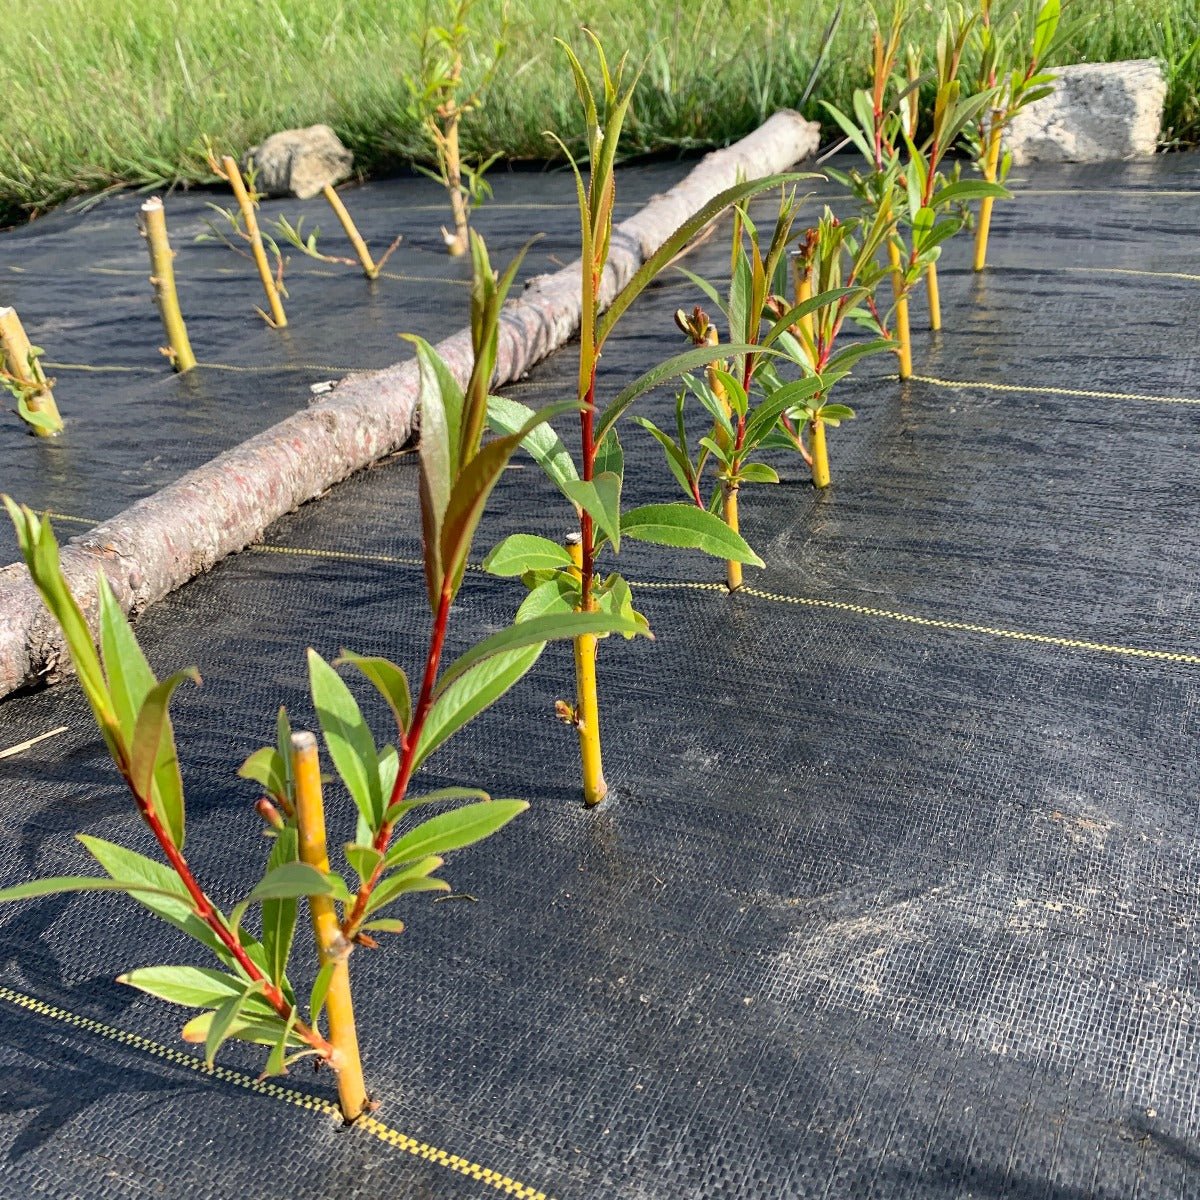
column 299, row 162
column 1098, row 112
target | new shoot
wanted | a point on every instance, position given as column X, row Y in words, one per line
column 1010, row 69
column 571, row 579
column 438, row 99
column 22, row 375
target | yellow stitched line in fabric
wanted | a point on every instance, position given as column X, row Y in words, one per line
column 1123, row 192
column 265, row 1087
column 864, row 610
column 350, row 556
column 959, row 384
column 101, row 368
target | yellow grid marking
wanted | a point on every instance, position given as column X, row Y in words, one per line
column 1124, row 192
column 862, row 610
column 275, row 1091
column 960, row 384
column 100, row 368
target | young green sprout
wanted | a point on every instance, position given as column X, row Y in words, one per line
column 841, row 261
column 243, row 224
column 248, row 995
column 570, row 578
column 22, row 376
column 1010, row 61
column 731, row 391
column 437, row 100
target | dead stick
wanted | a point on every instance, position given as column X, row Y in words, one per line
column 370, row 270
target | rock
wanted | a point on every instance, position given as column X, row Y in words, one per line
column 299, row 162
column 1099, row 112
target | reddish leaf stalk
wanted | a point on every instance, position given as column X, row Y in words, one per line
column 208, row 914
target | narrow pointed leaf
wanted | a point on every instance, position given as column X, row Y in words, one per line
column 523, row 552
column 154, row 764
column 390, row 682
column 279, row 913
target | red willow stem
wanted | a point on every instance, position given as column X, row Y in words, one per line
column 208, row 913
column 409, row 742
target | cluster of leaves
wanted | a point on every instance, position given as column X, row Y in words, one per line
column 24, row 387
column 752, row 404
column 438, row 100
column 903, row 177
column 249, row 995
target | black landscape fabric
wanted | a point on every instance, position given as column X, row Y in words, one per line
column 898, row 893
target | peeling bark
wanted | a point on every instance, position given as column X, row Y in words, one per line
column 161, row 542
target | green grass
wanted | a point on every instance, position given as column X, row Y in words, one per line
column 99, row 93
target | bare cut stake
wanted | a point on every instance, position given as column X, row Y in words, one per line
column 935, row 297
column 733, row 568
column 819, row 452
column 332, row 947
column 23, row 376
column 991, row 167
column 587, row 701
column 370, row 267
column 233, row 174
column 903, row 334
column 162, row 266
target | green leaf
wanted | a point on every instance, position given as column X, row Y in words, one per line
column 350, row 743
column 262, row 1030
column 685, row 525
column 674, row 367
column 677, row 459
column 442, row 389
column 670, row 248
column 290, row 880
column 390, row 681
column 385, row 925
column 438, row 473
column 363, row 859
column 474, row 486
column 764, row 417
column 77, row 883
column 843, row 360
column 601, row 499
column 193, row 987
column 154, row 763
column 440, row 796
column 610, row 458
column 542, row 443
column 535, row 631
column 279, row 913
column 558, row 595
column 523, row 552
column 223, row 1019
column 129, row 676
column 758, row 473
column 453, row 830
column 320, row 990
column 467, row 697
column 266, row 768
column 969, row 189
column 40, row 551
column 415, row 879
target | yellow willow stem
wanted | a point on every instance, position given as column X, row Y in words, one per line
column 935, row 297
column 804, row 292
column 991, row 164
column 370, row 270
column 820, row 455
column 903, row 334
column 587, row 704
column 250, row 220
column 457, row 244
column 162, row 266
column 16, row 356
column 733, row 570
column 331, row 946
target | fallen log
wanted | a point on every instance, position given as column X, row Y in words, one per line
column 162, row 541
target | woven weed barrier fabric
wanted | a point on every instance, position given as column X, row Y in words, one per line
column 897, row 896
column 80, row 284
